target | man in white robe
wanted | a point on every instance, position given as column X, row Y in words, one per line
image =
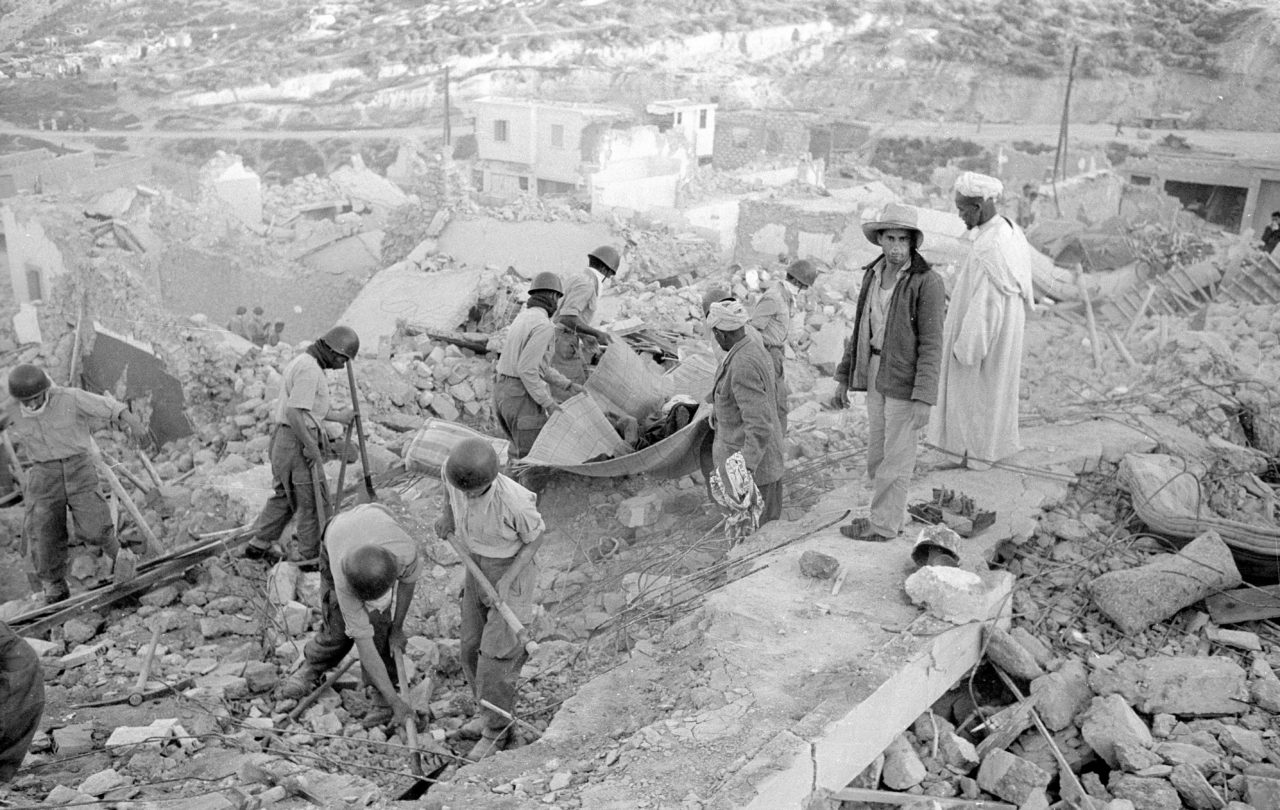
column 976, row 417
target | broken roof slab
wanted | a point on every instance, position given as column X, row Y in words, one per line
column 776, row 689
column 530, row 247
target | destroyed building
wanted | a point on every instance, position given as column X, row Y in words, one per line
column 1090, row 623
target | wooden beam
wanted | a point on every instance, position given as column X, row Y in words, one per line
column 900, row 799
column 1244, row 604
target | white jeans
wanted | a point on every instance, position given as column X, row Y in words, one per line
column 891, row 455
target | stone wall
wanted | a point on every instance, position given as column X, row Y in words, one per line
column 743, row 137
column 767, row 229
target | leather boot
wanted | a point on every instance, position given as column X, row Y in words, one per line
column 301, row 683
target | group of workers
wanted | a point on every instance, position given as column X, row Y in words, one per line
column 255, row 328
column 922, row 359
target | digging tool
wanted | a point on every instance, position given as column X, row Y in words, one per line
column 306, row 702
column 151, row 694
column 152, row 472
column 19, row 474
column 322, row 507
column 511, row 717
column 508, row 615
column 342, row 468
column 140, row 688
column 359, row 422
column 410, row 724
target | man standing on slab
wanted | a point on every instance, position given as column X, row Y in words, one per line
column 977, row 415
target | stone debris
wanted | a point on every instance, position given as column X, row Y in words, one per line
column 1138, row 598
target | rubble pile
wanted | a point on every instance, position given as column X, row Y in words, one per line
column 1176, row 714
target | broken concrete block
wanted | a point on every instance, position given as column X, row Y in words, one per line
column 1011, row 777
column 1139, row 597
column 261, row 676
column 72, row 740
column 640, row 510
column 1134, row 758
column 1009, row 655
column 81, row 629
column 161, row 597
column 1266, row 694
column 1243, row 742
column 902, row 766
column 817, row 565
column 63, row 796
column 1180, row 685
column 102, row 782
column 1262, row 791
column 1240, row 639
column 1038, row 649
column 959, row 755
column 1110, row 720
column 1145, row 793
column 154, row 734
column 1176, row 753
column 295, row 617
column 44, row 648
column 1061, row 695
column 326, row 723
column 232, row 687
column 959, row 596
column 80, row 655
column 1195, row 790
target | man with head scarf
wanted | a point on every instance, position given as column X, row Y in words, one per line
column 369, row 568
column 976, row 417
column 894, row 354
column 297, row 461
column 522, row 398
column 747, row 431
column 771, row 317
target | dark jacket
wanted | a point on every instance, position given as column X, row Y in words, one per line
column 911, row 357
column 746, row 403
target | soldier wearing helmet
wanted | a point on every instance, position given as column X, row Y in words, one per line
column 771, row 317
column 522, row 398
column 239, row 323
column 369, row 568
column 53, row 425
column 257, row 327
column 498, row 522
column 296, row 454
column 578, row 340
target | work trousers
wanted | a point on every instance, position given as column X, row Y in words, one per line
column 780, row 382
column 491, row 653
column 53, row 487
column 891, row 455
column 293, row 496
column 330, row 644
column 21, row 700
column 518, row 414
column 771, row 494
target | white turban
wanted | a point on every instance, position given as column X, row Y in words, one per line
column 982, row 186
column 727, row 316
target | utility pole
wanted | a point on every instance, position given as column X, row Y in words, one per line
column 448, row 134
column 1060, row 158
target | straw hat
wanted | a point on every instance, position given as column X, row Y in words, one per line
column 894, row 216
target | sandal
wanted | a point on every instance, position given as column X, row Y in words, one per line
column 861, row 529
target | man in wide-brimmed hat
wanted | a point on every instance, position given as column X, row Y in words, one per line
column 977, row 415
column 894, row 354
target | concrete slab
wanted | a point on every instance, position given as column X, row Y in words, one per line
column 529, row 247
column 775, row 689
column 434, row 300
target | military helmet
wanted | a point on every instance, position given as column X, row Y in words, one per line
column 608, row 256
column 472, row 464
column 27, row 381
column 803, row 271
column 343, row 340
column 546, row 281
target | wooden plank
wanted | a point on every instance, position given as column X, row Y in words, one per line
column 899, row 799
column 1005, row 726
column 1244, row 604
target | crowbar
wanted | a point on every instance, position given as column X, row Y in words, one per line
column 508, row 615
